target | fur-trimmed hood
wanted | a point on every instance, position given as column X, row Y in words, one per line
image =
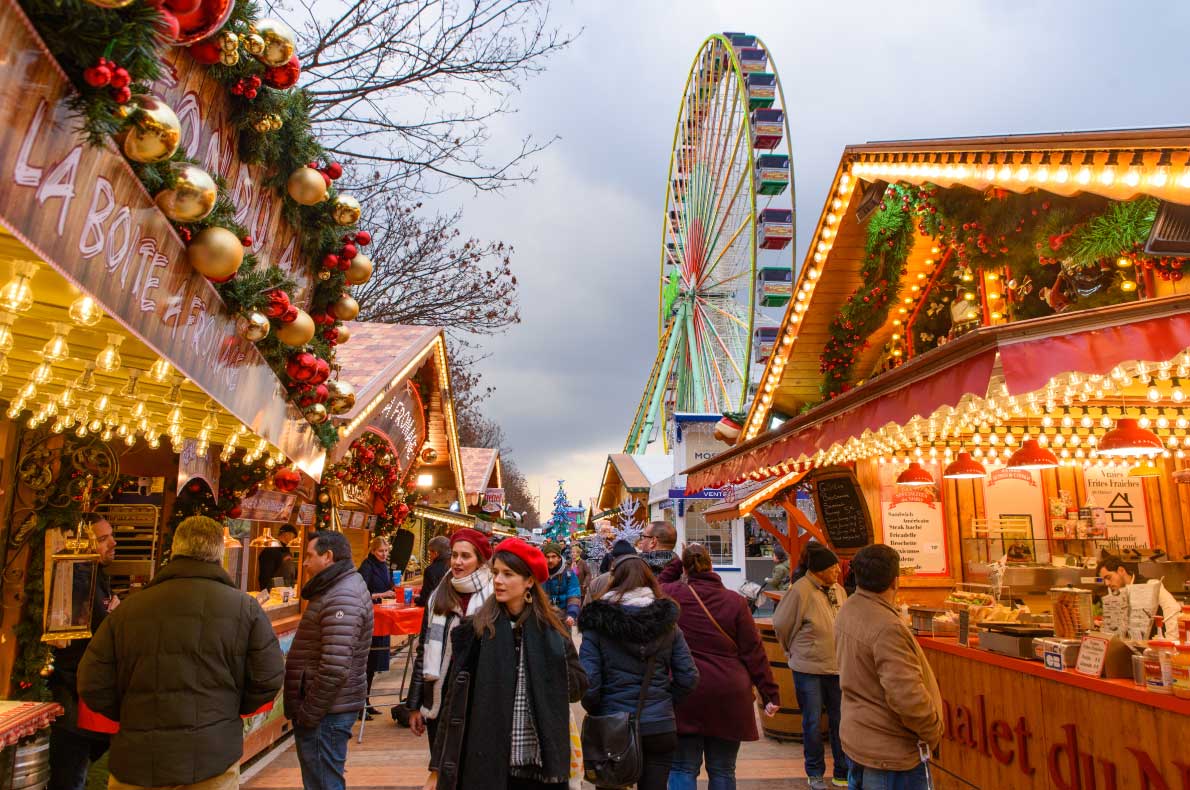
column 637, row 627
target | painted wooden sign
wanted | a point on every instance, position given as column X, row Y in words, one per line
column 82, row 210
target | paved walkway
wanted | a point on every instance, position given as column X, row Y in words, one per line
column 392, row 758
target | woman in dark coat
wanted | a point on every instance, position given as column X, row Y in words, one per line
column 629, row 623
column 731, row 660
column 379, row 579
column 505, row 718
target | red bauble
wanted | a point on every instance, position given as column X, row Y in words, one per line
column 278, row 303
column 301, row 367
column 182, row 6
column 286, row 479
column 321, row 393
column 334, row 170
column 206, row 52
column 322, row 371
column 290, row 315
column 363, row 238
column 168, row 27
column 235, row 512
column 323, row 319
column 121, row 95
column 331, row 335
column 204, row 21
column 330, row 261
column 194, row 488
column 98, row 76
column 120, row 78
column 349, row 251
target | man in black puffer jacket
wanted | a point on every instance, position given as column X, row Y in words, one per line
column 326, row 678
column 177, row 665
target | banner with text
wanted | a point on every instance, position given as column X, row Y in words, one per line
column 913, row 521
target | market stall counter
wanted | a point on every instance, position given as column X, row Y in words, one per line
column 1016, row 723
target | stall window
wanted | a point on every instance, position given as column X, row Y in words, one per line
column 716, row 536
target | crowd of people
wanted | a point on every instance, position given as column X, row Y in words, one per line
column 668, row 663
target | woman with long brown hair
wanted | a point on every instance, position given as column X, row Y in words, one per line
column 506, row 706
column 630, row 629
column 461, row 594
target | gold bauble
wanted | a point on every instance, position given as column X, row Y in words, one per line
column 110, row 3
column 297, row 332
column 229, row 58
column 324, row 497
column 253, row 327
column 228, row 41
column 306, row 186
column 343, row 336
column 359, row 271
column 254, row 44
column 346, row 210
column 216, row 253
column 279, row 42
column 192, row 196
column 346, row 309
column 324, row 275
column 155, row 134
column 317, row 414
column 341, row 398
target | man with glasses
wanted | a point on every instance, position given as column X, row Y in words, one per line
column 656, row 545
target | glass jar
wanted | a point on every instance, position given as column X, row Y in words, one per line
column 1181, row 671
column 1184, row 626
column 1159, row 666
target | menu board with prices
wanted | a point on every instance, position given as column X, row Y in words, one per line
column 842, row 510
column 913, row 521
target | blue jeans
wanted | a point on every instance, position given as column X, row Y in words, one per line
column 813, row 691
column 720, row 754
column 862, row 778
column 322, row 751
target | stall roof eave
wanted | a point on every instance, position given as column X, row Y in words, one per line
column 944, row 375
column 479, row 468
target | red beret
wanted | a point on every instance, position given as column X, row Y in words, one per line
column 530, row 555
column 476, row 539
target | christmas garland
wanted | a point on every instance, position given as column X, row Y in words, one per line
column 1033, row 239
column 112, row 51
column 370, row 465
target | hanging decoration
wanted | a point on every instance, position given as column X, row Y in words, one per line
column 370, row 465
column 192, row 196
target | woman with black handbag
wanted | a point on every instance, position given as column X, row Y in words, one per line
column 726, row 646
column 505, row 722
column 637, row 664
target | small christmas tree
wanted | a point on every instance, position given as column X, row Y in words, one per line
column 558, row 527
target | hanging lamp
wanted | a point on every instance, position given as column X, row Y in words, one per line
column 914, row 475
column 964, row 467
column 1145, row 469
column 1031, row 455
column 1129, row 440
column 265, row 541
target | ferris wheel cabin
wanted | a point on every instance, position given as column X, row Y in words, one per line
column 772, row 174
column 768, row 128
column 764, row 340
column 774, row 286
column 774, row 228
column 762, row 90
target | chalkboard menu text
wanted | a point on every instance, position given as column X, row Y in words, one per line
column 842, row 510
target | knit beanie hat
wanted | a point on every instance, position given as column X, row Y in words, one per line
column 530, row 555
column 476, row 538
column 550, row 547
column 819, row 557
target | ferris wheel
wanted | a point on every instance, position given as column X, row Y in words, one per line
column 727, row 235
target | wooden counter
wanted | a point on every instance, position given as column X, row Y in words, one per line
column 1012, row 723
column 264, row 729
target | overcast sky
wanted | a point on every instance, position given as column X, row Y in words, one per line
column 587, row 232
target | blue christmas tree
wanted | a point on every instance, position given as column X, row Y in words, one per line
column 561, row 520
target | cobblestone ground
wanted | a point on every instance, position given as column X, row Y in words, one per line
column 392, row 758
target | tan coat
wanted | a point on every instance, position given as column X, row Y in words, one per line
column 890, row 697
column 805, row 626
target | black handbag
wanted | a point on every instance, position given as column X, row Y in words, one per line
column 611, row 744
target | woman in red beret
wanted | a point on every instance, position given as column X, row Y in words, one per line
column 460, row 595
column 506, row 709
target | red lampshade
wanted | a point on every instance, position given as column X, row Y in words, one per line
column 1129, row 440
column 1032, row 455
column 914, row 475
column 964, row 467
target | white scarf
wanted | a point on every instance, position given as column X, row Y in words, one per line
column 641, row 596
column 437, row 649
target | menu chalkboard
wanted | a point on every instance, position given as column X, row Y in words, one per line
column 842, row 510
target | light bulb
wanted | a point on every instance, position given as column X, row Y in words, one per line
column 67, row 398
column 1153, row 394
column 6, row 336
column 106, row 435
column 80, row 431
column 175, row 415
column 1177, row 396
column 17, row 295
column 56, row 349
column 27, row 392
column 108, row 360
column 1084, row 175
column 1127, row 285
column 1160, row 176
column 86, row 380
column 1132, row 177
column 101, row 403
column 130, row 439
column 160, row 371
column 43, row 373
column 50, row 409
column 122, row 430
column 95, row 425
column 138, row 410
column 3, row 364
column 1062, row 174
column 1107, row 176
column 84, row 311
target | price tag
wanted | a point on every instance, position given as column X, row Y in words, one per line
column 1053, row 659
column 1091, row 655
column 964, row 627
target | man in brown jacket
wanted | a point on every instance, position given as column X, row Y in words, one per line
column 326, row 670
column 891, row 702
column 805, row 626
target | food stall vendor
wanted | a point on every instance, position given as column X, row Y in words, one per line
column 1120, row 581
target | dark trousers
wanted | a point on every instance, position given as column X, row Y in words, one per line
column 322, row 751
column 720, row 755
column 862, row 778
column 71, row 755
column 814, row 691
column 431, row 730
column 659, row 754
column 515, row 783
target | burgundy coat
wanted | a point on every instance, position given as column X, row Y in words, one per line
column 721, row 705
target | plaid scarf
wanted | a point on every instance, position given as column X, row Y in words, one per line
column 526, row 749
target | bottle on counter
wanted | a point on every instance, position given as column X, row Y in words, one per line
column 1181, row 671
column 1159, row 666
